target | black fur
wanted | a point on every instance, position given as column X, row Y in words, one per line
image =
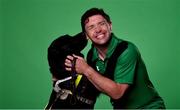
column 60, row 48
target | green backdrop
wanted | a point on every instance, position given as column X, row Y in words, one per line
column 27, row 27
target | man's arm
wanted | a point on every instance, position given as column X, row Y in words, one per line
column 106, row 85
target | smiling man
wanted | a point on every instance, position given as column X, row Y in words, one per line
column 114, row 66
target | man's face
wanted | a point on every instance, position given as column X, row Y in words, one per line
column 98, row 29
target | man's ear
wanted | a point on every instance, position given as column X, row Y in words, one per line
column 110, row 24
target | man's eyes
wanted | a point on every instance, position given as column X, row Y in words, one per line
column 91, row 27
column 99, row 24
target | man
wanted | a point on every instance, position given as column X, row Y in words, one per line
column 128, row 85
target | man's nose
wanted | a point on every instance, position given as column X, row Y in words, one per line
column 97, row 29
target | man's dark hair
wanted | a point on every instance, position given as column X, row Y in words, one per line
column 91, row 12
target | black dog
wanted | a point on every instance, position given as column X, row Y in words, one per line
column 60, row 48
column 65, row 94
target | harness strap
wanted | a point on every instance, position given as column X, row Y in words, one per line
column 109, row 72
column 121, row 47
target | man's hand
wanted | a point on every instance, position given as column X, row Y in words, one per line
column 80, row 66
column 103, row 84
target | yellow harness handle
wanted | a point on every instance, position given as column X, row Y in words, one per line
column 79, row 76
column 78, row 79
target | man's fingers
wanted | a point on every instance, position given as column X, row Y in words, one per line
column 78, row 57
column 68, row 69
column 75, row 55
column 70, row 57
column 67, row 61
column 68, row 64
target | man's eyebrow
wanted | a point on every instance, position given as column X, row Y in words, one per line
column 102, row 21
column 90, row 26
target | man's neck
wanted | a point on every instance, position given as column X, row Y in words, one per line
column 102, row 50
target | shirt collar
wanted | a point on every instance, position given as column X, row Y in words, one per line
column 111, row 47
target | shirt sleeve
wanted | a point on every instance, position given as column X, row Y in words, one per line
column 126, row 65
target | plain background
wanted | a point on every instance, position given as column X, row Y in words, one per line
column 27, row 27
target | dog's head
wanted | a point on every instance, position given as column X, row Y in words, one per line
column 60, row 48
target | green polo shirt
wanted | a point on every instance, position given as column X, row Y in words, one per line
column 130, row 69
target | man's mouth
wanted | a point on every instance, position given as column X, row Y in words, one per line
column 99, row 36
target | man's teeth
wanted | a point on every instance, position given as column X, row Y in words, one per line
column 100, row 35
